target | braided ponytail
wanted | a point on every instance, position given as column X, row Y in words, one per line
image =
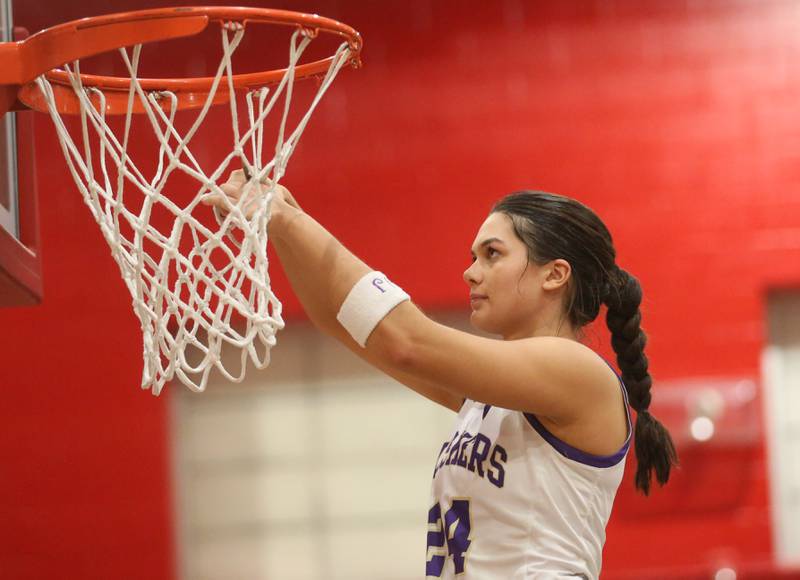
column 654, row 448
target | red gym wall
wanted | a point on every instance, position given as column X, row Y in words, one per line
column 679, row 122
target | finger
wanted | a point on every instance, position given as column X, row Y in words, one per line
column 231, row 190
column 211, row 199
column 219, row 200
column 236, row 178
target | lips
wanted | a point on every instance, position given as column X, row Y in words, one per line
column 475, row 300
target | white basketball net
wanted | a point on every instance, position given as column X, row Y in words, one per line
column 189, row 302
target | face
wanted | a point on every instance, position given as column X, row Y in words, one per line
column 508, row 295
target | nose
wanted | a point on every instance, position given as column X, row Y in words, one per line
column 470, row 275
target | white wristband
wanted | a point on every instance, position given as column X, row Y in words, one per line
column 368, row 302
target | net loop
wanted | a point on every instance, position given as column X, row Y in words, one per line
column 198, row 279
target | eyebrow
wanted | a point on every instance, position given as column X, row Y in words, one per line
column 486, row 242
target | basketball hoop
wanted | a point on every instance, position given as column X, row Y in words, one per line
column 215, row 290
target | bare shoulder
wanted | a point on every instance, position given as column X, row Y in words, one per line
column 585, row 377
column 595, row 420
column 574, row 359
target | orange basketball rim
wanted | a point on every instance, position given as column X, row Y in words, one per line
column 42, row 53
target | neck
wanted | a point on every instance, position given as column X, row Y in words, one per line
column 554, row 327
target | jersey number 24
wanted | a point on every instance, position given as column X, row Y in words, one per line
column 448, row 537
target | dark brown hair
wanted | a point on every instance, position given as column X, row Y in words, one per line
column 553, row 226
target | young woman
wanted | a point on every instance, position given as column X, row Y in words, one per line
column 524, row 487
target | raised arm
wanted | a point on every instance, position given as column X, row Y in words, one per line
column 549, row 376
column 315, row 262
column 321, row 272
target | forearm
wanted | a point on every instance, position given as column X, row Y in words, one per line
column 322, row 272
column 320, row 269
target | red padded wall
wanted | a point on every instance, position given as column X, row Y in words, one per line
column 678, row 122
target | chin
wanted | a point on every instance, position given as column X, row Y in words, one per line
column 483, row 325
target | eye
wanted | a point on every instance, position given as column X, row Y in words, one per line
column 490, row 252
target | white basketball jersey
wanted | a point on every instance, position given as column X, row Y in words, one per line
column 513, row 502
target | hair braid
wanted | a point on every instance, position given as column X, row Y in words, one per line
column 655, row 450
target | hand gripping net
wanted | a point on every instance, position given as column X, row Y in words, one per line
column 218, row 290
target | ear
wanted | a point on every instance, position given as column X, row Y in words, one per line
column 557, row 274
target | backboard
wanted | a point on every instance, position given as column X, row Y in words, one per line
column 20, row 263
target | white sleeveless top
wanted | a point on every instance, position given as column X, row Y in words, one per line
column 513, row 502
